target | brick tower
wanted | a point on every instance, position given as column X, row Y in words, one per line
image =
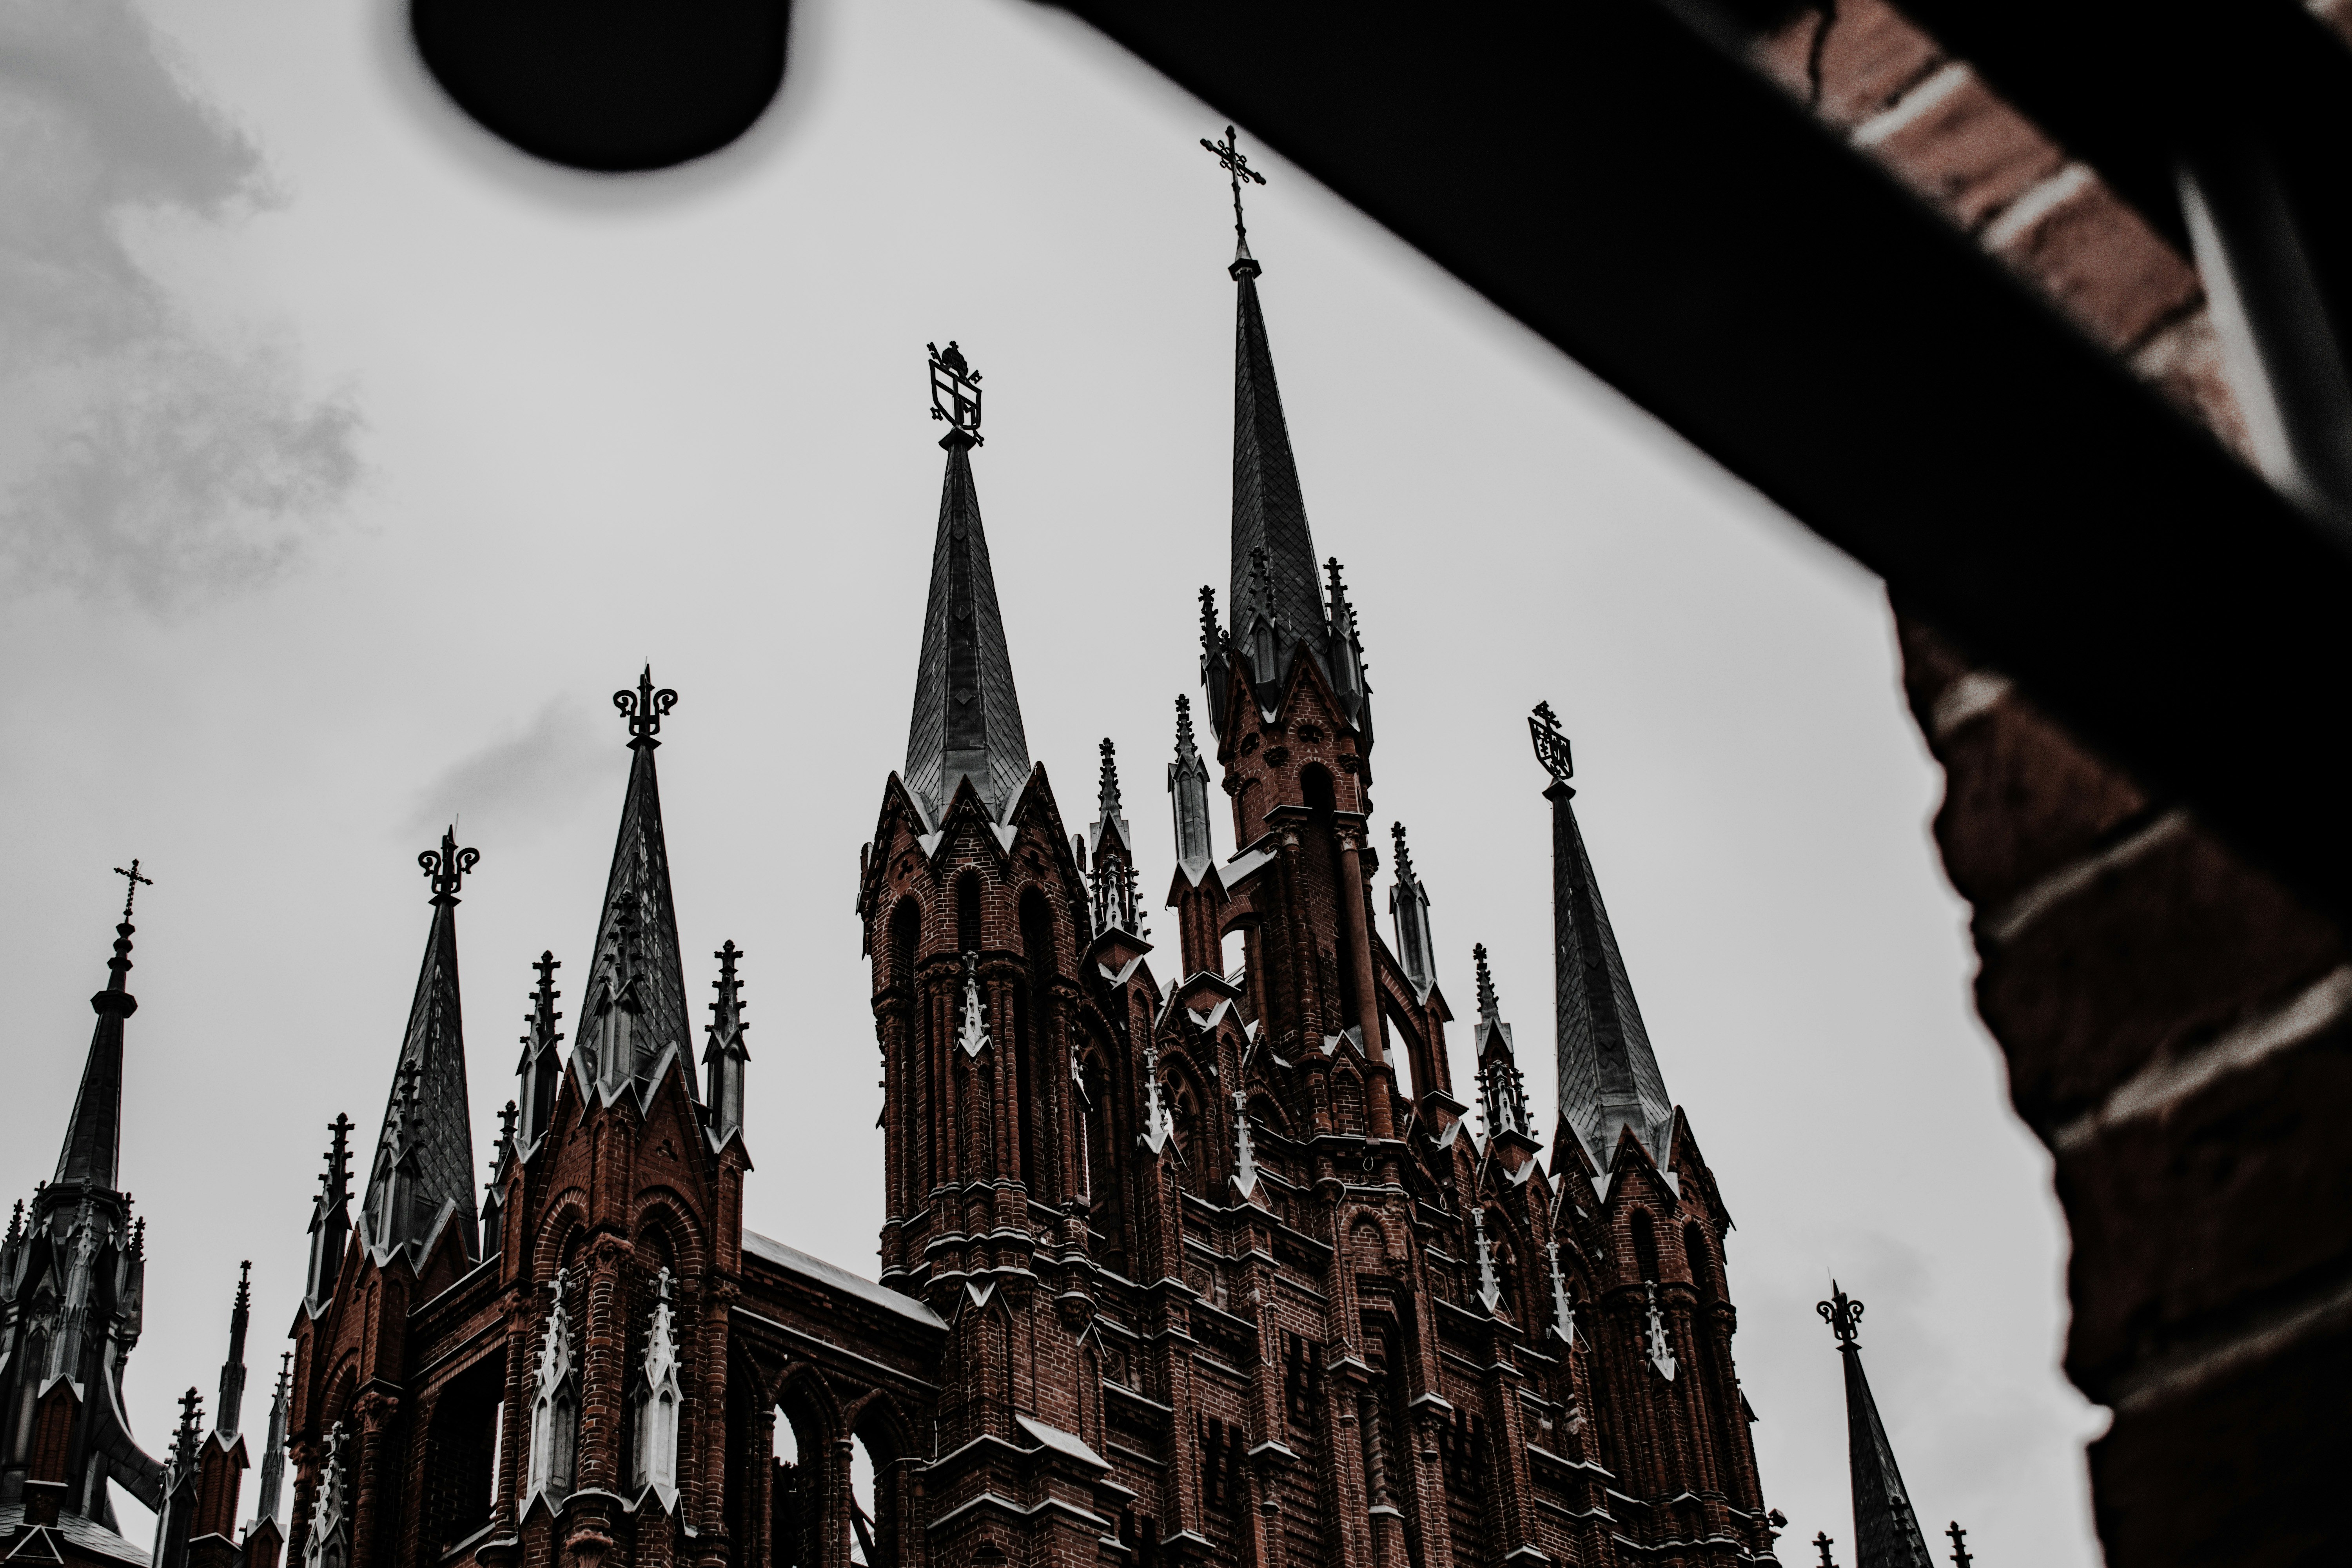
column 1211, row 1269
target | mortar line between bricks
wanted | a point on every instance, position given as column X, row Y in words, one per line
column 2185, row 1372
column 2161, row 1085
column 2055, row 889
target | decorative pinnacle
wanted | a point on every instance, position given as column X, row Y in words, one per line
column 446, row 866
column 1842, row 1314
column 729, row 1005
column 543, row 1014
column 1488, row 1008
column 1343, row 615
column 1404, row 856
column 132, row 882
column 16, row 1224
column 243, row 1287
column 955, row 395
column 1551, row 746
column 1184, row 742
column 1229, row 156
column 337, row 1177
column 1824, row 1540
column 191, row 1418
column 1961, row 1555
column 508, row 1114
column 644, row 709
column 1108, row 795
column 1208, row 619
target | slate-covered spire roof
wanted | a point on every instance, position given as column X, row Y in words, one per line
column 967, row 717
column 93, row 1144
column 1885, row 1528
column 1274, row 572
column 436, row 1146
column 635, row 953
column 1608, row 1077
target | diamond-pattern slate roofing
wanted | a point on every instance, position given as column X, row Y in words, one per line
column 641, row 869
column 435, row 1041
column 1270, row 511
column 1608, row 1077
column 967, row 716
column 1885, row 1528
column 92, row 1149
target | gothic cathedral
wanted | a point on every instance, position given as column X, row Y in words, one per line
column 1190, row 1257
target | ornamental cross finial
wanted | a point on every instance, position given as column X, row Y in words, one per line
column 1961, row 1555
column 955, row 395
column 446, row 866
column 644, row 709
column 132, row 882
column 1236, row 166
column 1551, row 746
column 1842, row 1314
column 1824, row 1540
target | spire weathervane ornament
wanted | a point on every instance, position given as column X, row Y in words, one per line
column 132, row 882
column 446, row 866
column 955, row 395
column 1236, row 166
column 644, row 709
column 1551, row 746
column 1842, row 1313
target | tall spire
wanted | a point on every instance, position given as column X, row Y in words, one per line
column 423, row 1165
column 541, row 1065
column 967, row 717
column 724, row 1056
column 1110, row 848
column 1502, row 1089
column 1275, row 578
column 330, row 1216
column 1188, row 788
column 93, row 1144
column 231, row 1406
column 1886, row 1530
column 1409, row 906
column 636, row 1004
column 1608, row 1077
column 273, row 1456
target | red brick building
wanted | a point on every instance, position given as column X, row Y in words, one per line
column 1187, row 1259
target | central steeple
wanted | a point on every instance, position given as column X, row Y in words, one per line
column 967, row 721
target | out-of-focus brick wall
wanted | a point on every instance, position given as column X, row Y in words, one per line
column 2179, row 1028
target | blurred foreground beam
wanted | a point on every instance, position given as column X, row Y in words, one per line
column 1628, row 189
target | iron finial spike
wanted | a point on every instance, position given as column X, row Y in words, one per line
column 446, row 866
column 644, row 709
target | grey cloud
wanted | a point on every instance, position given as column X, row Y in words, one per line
column 521, row 779
column 139, row 457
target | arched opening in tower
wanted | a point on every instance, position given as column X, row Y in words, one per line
column 461, row 1453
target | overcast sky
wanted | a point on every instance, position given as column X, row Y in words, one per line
column 348, row 463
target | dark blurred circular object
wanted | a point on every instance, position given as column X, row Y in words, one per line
column 607, row 85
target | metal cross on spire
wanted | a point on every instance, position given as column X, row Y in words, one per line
column 1229, row 156
column 132, row 882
